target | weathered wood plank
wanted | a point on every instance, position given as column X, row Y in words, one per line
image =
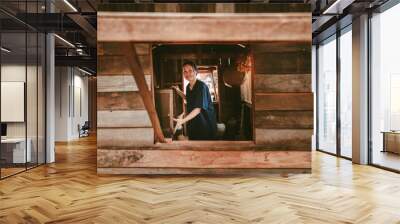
column 284, row 101
column 147, row 96
column 123, row 119
column 272, row 47
column 199, row 171
column 202, row 159
column 206, row 146
column 119, row 101
column 284, row 138
column 225, row 8
column 124, row 137
column 170, row 7
column 112, row 49
column 284, row 119
column 119, row 83
column 283, row 62
column 282, row 83
column 204, row 27
column 203, row 6
column 118, row 65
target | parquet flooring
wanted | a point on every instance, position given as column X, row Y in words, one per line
column 70, row 191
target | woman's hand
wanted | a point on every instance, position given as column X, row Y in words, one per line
column 179, row 92
column 179, row 121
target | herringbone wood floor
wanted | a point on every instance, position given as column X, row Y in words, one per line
column 69, row 191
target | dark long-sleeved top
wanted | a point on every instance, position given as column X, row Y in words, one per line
column 203, row 126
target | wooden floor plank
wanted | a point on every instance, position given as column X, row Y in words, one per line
column 70, row 191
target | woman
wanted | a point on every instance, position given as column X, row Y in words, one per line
column 201, row 121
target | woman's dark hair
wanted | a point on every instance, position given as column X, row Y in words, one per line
column 191, row 63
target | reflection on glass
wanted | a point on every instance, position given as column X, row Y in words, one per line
column 327, row 96
column 346, row 94
column 31, row 100
column 22, row 90
column 385, row 84
column 41, row 98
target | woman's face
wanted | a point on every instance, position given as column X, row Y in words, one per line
column 189, row 73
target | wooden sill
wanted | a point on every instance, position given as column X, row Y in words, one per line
column 207, row 145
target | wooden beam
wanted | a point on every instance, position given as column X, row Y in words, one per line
column 125, row 137
column 112, row 49
column 202, row 171
column 117, row 65
column 118, row 83
column 284, row 101
column 203, row 159
column 138, row 74
column 204, row 27
column 282, row 83
column 283, row 119
column 221, row 145
column 123, row 119
column 296, row 62
column 110, row 101
column 285, row 139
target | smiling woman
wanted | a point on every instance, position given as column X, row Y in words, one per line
column 201, row 116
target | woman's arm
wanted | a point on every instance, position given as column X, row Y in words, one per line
column 180, row 93
column 189, row 117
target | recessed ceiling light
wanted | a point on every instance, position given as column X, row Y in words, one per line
column 84, row 71
column 5, row 50
column 70, row 5
column 65, row 41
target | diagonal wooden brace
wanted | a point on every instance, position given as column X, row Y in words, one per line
column 129, row 51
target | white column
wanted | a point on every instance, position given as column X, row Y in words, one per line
column 360, row 90
column 50, row 100
column 50, row 93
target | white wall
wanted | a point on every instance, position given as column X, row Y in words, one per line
column 33, row 127
column 9, row 73
column 62, row 81
column 70, row 83
column 16, row 73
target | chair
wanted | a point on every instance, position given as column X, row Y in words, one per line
column 84, row 130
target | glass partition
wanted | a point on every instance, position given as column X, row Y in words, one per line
column 14, row 154
column 327, row 95
column 385, row 89
column 23, row 90
column 346, row 92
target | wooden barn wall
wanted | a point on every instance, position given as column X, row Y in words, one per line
column 283, row 101
column 92, row 83
column 244, row 7
column 122, row 119
column 282, row 108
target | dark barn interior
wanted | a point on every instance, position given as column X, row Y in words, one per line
column 226, row 69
